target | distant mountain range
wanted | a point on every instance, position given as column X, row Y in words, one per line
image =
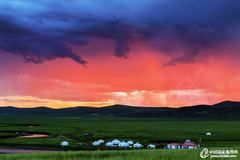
column 223, row 110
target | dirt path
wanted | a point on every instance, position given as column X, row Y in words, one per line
column 34, row 136
column 12, row 150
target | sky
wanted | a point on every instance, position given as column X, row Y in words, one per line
column 154, row 53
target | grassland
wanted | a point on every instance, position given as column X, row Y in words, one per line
column 226, row 134
column 114, row 155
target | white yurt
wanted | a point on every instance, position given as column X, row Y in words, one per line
column 64, row 143
column 208, row 134
column 130, row 142
column 116, row 142
column 151, row 146
column 137, row 145
column 101, row 141
column 123, row 144
column 109, row 144
column 96, row 143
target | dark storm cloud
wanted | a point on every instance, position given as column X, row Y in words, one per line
column 33, row 46
column 44, row 30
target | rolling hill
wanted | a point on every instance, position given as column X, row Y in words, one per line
column 223, row 110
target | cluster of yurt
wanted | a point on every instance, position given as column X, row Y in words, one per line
column 114, row 143
column 122, row 144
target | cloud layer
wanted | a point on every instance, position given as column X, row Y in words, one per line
column 44, row 30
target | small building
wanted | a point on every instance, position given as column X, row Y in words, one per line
column 189, row 145
column 173, row 146
column 186, row 145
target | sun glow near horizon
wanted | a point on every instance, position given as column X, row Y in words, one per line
column 30, row 102
column 173, row 98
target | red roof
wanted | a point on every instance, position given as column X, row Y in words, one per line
column 174, row 144
column 189, row 144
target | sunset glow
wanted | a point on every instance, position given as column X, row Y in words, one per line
column 103, row 71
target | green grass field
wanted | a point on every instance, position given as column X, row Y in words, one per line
column 158, row 154
column 144, row 130
column 225, row 133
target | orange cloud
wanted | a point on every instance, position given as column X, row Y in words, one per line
column 139, row 80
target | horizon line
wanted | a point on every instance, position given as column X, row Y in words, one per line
column 200, row 104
